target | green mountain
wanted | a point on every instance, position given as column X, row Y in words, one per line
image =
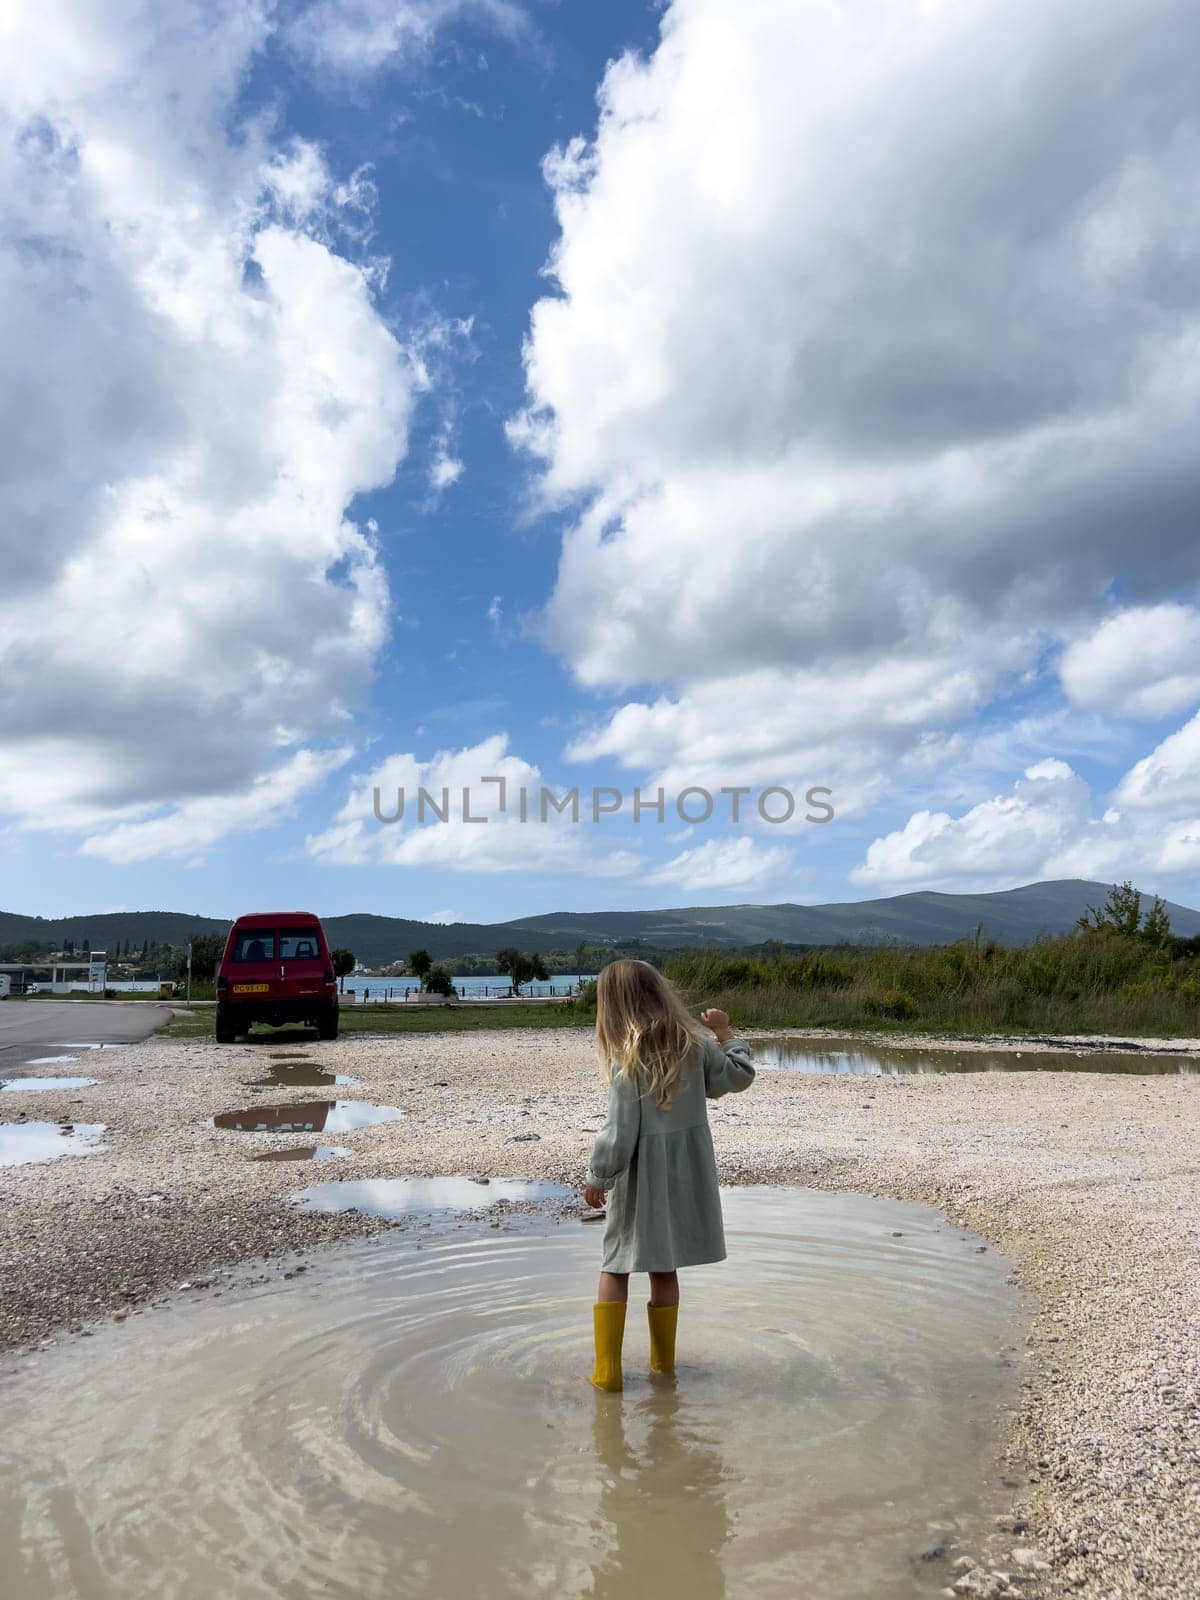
column 1011, row 916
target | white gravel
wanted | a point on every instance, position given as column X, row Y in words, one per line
column 1088, row 1181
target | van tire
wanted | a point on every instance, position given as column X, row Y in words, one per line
column 327, row 1023
column 226, row 1032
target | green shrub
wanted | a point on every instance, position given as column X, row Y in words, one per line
column 898, row 1005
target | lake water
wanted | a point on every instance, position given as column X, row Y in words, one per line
column 852, row 1056
column 379, row 989
column 413, row 1420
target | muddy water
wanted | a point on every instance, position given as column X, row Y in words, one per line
column 851, row 1055
column 305, row 1152
column 310, row 1116
column 413, row 1421
column 297, row 1076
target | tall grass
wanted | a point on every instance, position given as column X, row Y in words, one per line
column 1093, row 981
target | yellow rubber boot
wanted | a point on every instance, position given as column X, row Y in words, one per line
column 608, row 1317
column 663, row 1320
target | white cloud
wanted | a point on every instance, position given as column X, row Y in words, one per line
column 1168, row 779
column 358, row 37
column 1048, row 827
column 446, row 469
column 1000, row 841
column 856, row 389
column 188, row 831
column 1143, row 662
column 496, row 841
column 195, row 386
column 443, row 918
column 726, row 864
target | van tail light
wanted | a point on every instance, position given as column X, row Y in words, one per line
column 222, row 985
column 330, row 980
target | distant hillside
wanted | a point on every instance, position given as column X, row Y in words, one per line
column 1011, row 916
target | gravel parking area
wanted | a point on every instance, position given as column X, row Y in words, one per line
column 1088, row 1181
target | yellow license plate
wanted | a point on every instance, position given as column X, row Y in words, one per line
column 252, row 988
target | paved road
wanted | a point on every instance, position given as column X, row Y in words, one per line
column 48, row 1027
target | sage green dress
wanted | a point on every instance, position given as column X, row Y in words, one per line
column 658, row 1168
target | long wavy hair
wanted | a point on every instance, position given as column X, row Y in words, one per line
column 642, row 1029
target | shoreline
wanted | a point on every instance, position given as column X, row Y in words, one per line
column 1087, row 1181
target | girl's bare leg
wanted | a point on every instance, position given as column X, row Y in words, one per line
column 614, row 1286
column 664, row 1288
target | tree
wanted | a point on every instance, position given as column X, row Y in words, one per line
column 207, row 950
column 438, row 981
column 580, row 959
column 343, row 966
column 520, row 967
column 419, row 964
column 1156, row 929
column 1121, row 913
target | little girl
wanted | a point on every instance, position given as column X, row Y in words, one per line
column 654, row 1155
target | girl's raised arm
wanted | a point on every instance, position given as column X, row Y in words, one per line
column 728, row 1067
column 617, row 1139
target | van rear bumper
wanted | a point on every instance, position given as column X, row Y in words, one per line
column 301, row 1008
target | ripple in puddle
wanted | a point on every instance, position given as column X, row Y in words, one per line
column 418, row 1424
column 305, row 1152
column 309, row 1116
column 408, row 1197
column 24, row 1085
column 25, row 1143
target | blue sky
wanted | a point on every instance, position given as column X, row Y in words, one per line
column 603, row 395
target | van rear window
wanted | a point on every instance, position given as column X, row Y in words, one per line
column 254, row 944
column 299, row 944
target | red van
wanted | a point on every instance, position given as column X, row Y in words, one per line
column 276, row 968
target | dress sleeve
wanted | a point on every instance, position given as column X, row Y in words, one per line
column 617, row 1139
column 728, row 1067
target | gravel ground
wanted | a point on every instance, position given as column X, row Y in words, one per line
column 1087, row 1181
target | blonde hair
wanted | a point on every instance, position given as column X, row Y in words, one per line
column 642, row 1029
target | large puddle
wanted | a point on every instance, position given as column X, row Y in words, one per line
column 414, row 1197
column 414, row 1422
column 309, row 1116
column 23, row 1143
column 844, row 1055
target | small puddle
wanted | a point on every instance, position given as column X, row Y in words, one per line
column 26, row 1143
column 305, row 1152
column 415, row 1421
column 47, row 1061
column 306, row 1077
column 850, row 1056
column 31, row 1085
column 308, row 1116
column 408, row 1197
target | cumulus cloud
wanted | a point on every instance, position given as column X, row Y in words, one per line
column 1168, row 779
column 195, row 383
column 725, row 864
column 867, row 358
column 1143, row 662
column 189, row 830
column 482, row 831
column 1050, row 826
